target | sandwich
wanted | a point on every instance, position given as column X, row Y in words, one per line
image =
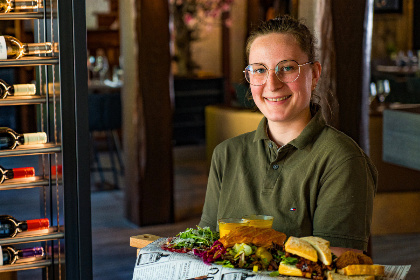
column 356, row 264
column 306, row 257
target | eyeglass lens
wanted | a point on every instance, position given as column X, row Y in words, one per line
column 286, row 71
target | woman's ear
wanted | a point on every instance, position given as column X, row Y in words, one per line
column 316, row 73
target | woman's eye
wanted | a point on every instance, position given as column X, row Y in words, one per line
column 286, row 68
column 259, row 71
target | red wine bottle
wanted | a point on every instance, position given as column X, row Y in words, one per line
column 16, row 173
column 9, row 226
column 9, row 139
column 11, row 254
column 16, row 90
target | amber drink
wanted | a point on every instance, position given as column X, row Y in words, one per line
column 228, row 224
column 260, row 221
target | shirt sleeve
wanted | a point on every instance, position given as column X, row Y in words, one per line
column 211, row 203
column 345, row 204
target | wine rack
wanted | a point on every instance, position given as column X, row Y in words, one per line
column 61, row 112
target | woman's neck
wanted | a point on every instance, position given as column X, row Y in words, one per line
column 282, row 133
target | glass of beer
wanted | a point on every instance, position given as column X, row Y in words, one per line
column 259, row 221
column 228, row 224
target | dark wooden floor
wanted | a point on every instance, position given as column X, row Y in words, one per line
column 114, row 259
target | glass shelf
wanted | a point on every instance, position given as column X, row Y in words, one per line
column 22, row 15
column 29, row 61
column 32, row 150
column 24, row 266
column 34, row 236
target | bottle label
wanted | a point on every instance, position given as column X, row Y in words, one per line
column 34, row 138
column 3, row 48
column 25, row 89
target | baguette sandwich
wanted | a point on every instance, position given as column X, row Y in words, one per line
column 357, row 264
column 306, row 257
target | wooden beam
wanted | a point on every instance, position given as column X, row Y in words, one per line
column 353, row 48
column 147, row 113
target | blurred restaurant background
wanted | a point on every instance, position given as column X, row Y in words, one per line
column 166, row 86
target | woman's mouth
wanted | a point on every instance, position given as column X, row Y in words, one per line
column 278, row 99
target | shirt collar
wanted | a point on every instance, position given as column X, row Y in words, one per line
column 312, row 129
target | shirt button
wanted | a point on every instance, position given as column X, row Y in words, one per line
column 270, row 145
column 275, row 166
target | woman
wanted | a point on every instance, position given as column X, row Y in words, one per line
column 312, row 178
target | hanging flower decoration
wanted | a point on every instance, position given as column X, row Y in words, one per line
column 189, row 17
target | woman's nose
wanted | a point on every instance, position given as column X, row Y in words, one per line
column 273, row 82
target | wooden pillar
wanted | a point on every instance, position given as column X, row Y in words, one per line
column 352, row 26
column 226, row 59
column 147, row 111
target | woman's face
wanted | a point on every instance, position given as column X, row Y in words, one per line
column 278, row 101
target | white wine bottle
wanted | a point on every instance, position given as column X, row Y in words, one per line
column 11, row 48
column 9, row 139
column 10, row 5
column 16, row 90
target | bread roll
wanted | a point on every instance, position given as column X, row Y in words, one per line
column 322, row 247
column 301, row 248
column 363, row 269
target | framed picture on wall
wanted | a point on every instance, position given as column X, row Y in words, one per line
column 388, row 6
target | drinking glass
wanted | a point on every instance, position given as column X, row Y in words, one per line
column 259, row 221
column 226, row 225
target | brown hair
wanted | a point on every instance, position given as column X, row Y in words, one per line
column 285, row 24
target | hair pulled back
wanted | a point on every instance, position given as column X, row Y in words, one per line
column 285, row 24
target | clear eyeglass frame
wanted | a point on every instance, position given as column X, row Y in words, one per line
column 279, row 65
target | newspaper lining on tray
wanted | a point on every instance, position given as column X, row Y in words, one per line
column 154, row 263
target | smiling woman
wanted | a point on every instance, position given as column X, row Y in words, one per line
column 294, row 160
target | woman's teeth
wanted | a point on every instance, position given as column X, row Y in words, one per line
column 278, row 99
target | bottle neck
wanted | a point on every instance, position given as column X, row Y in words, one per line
column 23, row 172
column 33, row 138
column 37, row 48
column 37, row 224
column 22, row 90
column 26, row 4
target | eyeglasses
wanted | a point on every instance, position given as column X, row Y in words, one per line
column 286, row 71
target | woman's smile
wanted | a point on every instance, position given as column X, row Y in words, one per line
column 277, row 99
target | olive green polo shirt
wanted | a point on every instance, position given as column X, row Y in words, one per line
column 320, row 184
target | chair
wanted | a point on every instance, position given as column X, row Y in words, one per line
column 105, row 116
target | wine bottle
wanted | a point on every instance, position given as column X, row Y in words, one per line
column 9, row 5
column 16, row 173
column 9, row 226
column 11, row 254
column 9, row 139
column 10, row 47
column 16, row 90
